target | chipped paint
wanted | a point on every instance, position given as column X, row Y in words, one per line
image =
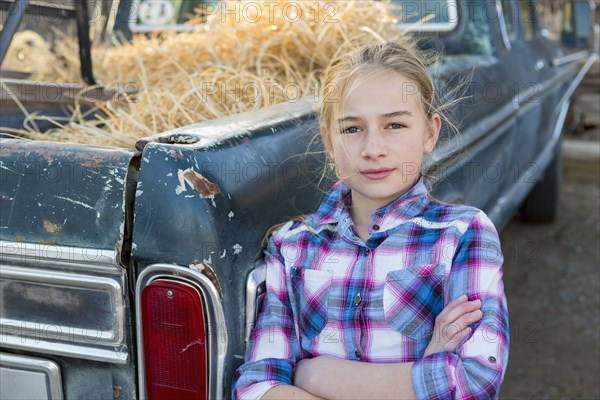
column 223, row 255
column 230, row 215
column 237, row 249
column 52, row 227
column 207, row 271
column 138, row 193
column 181, row 187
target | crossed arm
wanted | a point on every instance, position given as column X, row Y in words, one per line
column 335, row 378
column 451, row 367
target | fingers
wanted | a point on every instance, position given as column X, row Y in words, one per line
column 460, row 309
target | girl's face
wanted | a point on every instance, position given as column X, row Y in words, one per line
column 382, row 137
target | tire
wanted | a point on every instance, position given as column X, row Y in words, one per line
column 542, row 203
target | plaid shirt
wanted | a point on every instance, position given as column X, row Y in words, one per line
column 330, row 293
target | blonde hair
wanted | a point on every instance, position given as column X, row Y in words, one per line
column 348, row 70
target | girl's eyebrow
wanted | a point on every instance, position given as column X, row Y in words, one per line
column 398, row 113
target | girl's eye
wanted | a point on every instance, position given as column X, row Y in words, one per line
column 396, row 126
column 351, row 129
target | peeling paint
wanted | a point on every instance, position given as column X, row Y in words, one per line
column 200, row 183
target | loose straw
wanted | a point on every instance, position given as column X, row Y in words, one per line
column 223, row 67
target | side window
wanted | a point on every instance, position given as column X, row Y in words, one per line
column 475, row 36
column 528, row 19
column 551, row 16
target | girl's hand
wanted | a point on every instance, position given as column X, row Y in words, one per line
column 452, row 324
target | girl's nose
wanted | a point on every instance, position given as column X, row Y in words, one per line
column 374, row 145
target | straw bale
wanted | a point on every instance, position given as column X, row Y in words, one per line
column 226, row 66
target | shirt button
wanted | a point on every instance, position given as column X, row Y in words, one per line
column 357, row 354
column 492, row 359
column 357, row 300
column 367, row 251
column 375, row 227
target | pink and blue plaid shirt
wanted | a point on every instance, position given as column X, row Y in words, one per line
column 330, row 293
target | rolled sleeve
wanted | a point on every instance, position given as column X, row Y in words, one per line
column 254, row 379
column 273, row 347
column 476, row 368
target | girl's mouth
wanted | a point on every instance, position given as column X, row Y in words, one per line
column 377, row 174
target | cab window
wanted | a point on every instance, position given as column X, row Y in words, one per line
column 427, row 15
column 528, row 19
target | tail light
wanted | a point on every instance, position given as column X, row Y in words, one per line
column 174, row 340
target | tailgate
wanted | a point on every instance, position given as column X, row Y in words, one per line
column 63, row 246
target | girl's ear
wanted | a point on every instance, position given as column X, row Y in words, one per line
column 432, row 133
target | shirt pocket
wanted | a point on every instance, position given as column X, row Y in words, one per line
column 311, row 292
column 412, row 298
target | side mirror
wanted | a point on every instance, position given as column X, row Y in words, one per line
column 578, row 24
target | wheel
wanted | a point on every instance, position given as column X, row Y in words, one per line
column 542, row 203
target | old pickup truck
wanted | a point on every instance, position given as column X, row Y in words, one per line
column 136, row 273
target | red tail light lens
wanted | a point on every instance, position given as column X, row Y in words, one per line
column 174, row 341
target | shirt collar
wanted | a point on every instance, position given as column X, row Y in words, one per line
column 335, row 206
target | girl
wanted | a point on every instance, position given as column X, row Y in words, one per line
column 383, row 292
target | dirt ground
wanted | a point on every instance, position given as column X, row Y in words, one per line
column 552, row 283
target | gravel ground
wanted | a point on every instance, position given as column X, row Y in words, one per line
column 552, row 283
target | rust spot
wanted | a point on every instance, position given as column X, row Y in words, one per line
column 116, row 391
column 52, row 242
column 52, row 227
column 176, row 154
column 200, row 184
column 207, row 271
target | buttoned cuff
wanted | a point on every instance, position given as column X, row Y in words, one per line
column 432, row 378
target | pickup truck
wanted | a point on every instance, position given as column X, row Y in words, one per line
column 136, row 273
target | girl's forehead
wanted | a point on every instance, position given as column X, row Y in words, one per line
column 380, row 89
